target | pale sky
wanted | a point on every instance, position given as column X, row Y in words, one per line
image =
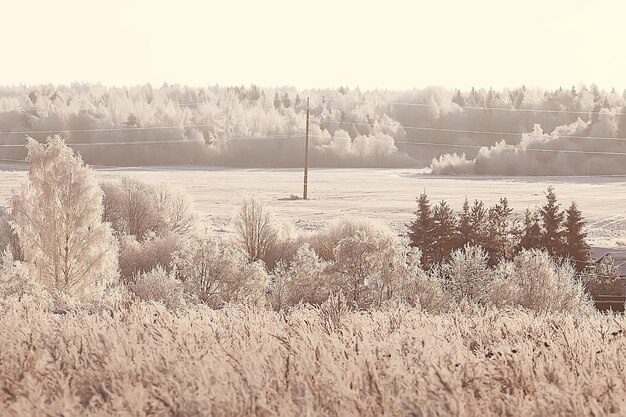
column 387, row 44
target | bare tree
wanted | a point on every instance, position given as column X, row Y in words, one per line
column 256, row 230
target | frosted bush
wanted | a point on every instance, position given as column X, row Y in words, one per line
column 303, row 279
column 325, row 241
column 8, row 237
column 160, row 286
column 15, row 280
column 535, row 281
column 154, row 251
column 466, row 274
column 424, row 290
column 368, row 262
column 215, row 273
column 141, row 210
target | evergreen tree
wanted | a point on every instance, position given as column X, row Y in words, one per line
column 464, row 225
column 444, row 231
column 576, row 248
column 552, row 216
column 421, row 229
column 531, row 234
column 500, row 245
column 478, row 235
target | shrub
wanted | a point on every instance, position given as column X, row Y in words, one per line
column 160, row 286
column 535, row 281
column 215, row 273
column 368, row 262
column 466, row 274
column 142, row 210
column 259, row 234
column 143, row 256
column 303, row 279
column 8, row 237
column 15, row 280
column 325, row 241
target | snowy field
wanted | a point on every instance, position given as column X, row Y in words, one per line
column 384, row 194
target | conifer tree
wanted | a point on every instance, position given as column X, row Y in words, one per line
column 531, row 234
column 420, row 230
column 576, row 248
column 478, row 225
column 500, row 245
column 464, row 225
column 444, row 231
column 552, row 216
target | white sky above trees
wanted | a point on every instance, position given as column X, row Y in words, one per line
column 325, row 43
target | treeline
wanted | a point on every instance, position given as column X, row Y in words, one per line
column 438, row 230
column 350, row 127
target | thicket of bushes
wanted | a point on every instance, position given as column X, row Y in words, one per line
column 138, row 241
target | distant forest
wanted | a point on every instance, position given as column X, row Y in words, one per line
column 481, row 131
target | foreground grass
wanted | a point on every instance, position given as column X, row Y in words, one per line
column 148, row 361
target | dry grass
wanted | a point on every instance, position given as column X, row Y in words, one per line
column 146, row 360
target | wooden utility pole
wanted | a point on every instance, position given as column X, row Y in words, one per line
column 306, row 152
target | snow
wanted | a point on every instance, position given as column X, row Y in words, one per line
column 384, row 194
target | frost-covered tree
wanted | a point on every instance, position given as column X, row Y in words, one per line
column 215, row 273
column 139, row 209
column 466, row 274
column 303, row 279
column 257, row 231
column 58, row 218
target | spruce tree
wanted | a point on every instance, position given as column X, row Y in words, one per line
column 464, row 225
column 531, row 234
column 576, row 248
column 478, row 225
column 444, row 231
column 500, row 243
column 552, row 216
column 421, row 229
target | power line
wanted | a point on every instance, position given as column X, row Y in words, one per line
column 513, row 149
column 114, row 129
column 287, row 136
column 181, row 141
column 430, row 129
column 484, row 132
column 454, row 145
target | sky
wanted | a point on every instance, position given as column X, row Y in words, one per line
column 387, row 44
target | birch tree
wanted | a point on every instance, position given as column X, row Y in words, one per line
column 58, row 218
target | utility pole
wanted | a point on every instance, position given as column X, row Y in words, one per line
column 306, row 152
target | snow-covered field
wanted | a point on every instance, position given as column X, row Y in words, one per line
column 384, row 194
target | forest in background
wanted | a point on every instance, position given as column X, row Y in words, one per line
column 481, row 131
